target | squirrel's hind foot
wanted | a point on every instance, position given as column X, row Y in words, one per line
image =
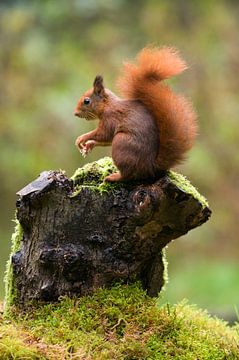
column 114, row 177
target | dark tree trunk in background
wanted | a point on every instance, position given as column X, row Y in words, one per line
column 74, row 244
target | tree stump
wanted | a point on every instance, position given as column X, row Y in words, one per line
column 78, row 234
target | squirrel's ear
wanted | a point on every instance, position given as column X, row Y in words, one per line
column 98, row 86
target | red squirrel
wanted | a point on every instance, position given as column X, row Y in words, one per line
column 151, row 128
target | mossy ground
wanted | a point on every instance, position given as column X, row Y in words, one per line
column 120, row 323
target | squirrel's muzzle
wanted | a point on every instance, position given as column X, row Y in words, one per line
column 77, row 113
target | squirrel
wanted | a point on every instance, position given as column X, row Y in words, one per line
column 151, row 128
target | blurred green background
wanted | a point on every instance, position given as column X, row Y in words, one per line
column 50, row 52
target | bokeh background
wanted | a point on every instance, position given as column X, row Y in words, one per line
column 50, row 52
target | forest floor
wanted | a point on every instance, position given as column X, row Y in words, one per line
column 120, row 323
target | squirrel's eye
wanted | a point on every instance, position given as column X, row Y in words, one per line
column 86, row 101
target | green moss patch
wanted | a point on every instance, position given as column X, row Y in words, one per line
column 17, row 344
column 92, row 176
column 184, row 184
column 124, row 323
column 10, row 290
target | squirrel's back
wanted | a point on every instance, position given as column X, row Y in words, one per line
column 174, row 114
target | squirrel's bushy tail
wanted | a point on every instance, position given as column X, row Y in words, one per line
column 174, row 114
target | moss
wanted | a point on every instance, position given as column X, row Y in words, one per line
column 165, row 271
column 184, row 184
column 10, row 289
column 17, row 344
column 124, row 323
column 92, row 176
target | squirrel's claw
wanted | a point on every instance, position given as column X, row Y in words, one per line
column 85, row 148
column 79, row 142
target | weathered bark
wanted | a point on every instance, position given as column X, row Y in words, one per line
column 74, row 242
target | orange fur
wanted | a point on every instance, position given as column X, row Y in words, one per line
column 174, row 114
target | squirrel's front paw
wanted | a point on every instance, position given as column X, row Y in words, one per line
column 80, row 141
column 87, row 147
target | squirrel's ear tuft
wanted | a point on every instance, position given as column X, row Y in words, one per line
column 98, row 85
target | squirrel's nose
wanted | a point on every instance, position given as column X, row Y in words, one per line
column 76, row 112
